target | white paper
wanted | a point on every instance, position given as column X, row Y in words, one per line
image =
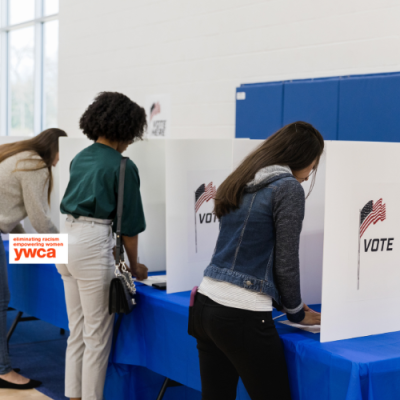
column 308, row 328
column 153, row 279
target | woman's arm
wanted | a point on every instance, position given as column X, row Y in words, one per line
column 288, row 209
column 34, row 191
column 131, row 246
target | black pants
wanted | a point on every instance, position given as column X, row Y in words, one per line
column 235, row 343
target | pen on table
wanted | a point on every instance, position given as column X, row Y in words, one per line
column 279, row 316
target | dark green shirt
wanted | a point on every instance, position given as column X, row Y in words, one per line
column 92, row 190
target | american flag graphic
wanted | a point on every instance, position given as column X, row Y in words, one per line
column 371, row 214
column 203, row 194
column 154, row 110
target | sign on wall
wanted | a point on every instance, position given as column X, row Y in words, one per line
column 158, row 111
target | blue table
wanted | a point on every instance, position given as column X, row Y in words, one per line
column 155, row 336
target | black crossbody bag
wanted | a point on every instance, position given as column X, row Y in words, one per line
column 122, row 288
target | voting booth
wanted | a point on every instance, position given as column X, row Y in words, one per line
column 361, row 257
column 348, row 243
column 348, row 253
column 178, row 179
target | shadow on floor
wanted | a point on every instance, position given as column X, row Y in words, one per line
column 38, row 349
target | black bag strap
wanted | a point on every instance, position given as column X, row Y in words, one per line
column 119, row 248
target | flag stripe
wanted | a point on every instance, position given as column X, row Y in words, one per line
column 371, row 216
column 378, row 213
column 208, row 194
column 376, row 207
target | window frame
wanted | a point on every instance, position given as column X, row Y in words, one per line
column 5, row 95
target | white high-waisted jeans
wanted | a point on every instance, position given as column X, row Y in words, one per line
column 87, row 280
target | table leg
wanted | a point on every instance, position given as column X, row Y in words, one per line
column 167, row 383
column 17, row 320
column 14, row 325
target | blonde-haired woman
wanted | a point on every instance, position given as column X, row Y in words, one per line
column 26, row 182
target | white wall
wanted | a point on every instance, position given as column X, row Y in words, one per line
column 200, row 50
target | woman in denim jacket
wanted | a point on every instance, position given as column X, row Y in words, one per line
column 255, row 266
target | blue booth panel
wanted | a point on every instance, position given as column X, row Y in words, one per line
column 369, row 108
column 313, row 101
column 260, row 114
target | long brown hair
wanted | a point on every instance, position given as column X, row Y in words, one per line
column 45, row 145
column 296, row 145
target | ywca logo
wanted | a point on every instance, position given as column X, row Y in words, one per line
column 202, row 195
column 371, row 214
column 38, row 249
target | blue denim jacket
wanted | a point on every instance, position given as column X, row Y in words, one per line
column 245, row 251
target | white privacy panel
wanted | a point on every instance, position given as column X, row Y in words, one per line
column 312, row 237
column 195, row 169
column 360, row 294
column 149, row 156
column 241, row 149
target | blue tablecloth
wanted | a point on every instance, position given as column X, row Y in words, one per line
column 155, row 336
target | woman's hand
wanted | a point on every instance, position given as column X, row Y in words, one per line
column 312, row 317
column 139, row 272
column 306, row 308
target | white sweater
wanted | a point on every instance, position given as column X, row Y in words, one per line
column 24, row 193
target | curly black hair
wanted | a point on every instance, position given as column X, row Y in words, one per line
column 114, row 116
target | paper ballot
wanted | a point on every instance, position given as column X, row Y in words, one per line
column 154, row 279
column 308, row 328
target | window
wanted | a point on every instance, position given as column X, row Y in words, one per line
column 28, row 66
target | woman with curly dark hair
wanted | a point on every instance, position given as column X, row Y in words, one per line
column 113, row 122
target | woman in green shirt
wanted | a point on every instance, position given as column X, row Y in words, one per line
column 113, row 122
